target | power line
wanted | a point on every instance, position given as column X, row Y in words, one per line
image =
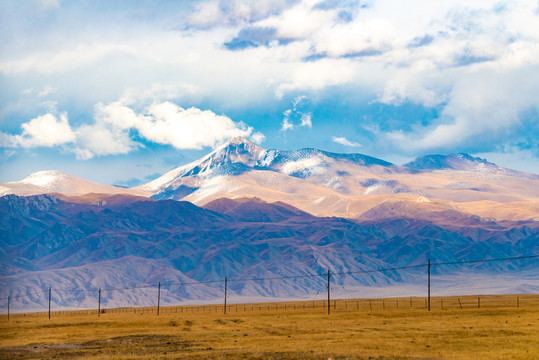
column 146, row 286
column 485, row 260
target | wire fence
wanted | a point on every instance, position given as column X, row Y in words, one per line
column 327, row 304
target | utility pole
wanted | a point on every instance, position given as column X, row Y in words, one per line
column 158, row 296
column 428, row 307
column 49, row 302
column 329, row 300
column 226, row 281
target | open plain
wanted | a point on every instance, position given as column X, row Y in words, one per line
column 486, row 327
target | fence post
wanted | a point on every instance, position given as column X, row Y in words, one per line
column 329, row 303
column 459, row 303
column 9, row 298
column 478, row 302
column 158, row 296
column 226, row 281
column 518, row 305
column 428, row 306
column 49, row 302
column 99, row 303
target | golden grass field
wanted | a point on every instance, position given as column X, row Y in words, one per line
column 362, row 329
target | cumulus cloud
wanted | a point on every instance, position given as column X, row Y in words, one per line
column 461, row 60
column 115, row 125
column 191, row 128
column 483, row 103
column 47, row 131
column 345, row 141
column 258, row 138
column 162, row 123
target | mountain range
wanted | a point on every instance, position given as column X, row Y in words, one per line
column 326, row 184
column 247, row 212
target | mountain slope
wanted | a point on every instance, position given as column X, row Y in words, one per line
column 349, row 185
column 325, row 184
column 50, row 242
column 51, row 181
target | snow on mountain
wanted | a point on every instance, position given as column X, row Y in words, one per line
column 240, row 156
column 321, row 182
column 348, row 185
column 52, row 181
column 462, row 161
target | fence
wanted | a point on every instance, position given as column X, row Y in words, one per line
column 443, row 303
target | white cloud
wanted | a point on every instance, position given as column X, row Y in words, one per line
column 435, row 54
column 46, row 131
column 299, row 21
column 485, row 102
column 286, row 124
column 293, row 115
column 163, row 123
column 190, row 128
column 306, row 120
column 115, row 124
column 345, row 141
column 258, row 138
column 318, row 75
column 217, row 13
column 50, row 62
column 101, row 140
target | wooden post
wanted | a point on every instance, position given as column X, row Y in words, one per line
column 410, row 302
column 518, row 305
column 329, row 303
column 370, row 304
column 479, row 303
column 226, row 281
column 8, row 299
column 428, row 306
column 459, row 303
column 49, row 302
column 99, row 303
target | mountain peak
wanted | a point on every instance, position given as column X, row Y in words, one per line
column 460, row 161
column 240, row 143
column 45, row 178
column 238, row 140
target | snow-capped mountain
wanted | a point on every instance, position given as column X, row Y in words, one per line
column 464, row 162
column 52, row 181
column 326, row 184
column 349, row 185
column 239, row 156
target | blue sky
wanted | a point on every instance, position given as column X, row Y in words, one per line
column 120, row 92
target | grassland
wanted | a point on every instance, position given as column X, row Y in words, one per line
column 495, row 328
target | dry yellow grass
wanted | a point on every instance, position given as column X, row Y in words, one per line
column 497, row 330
